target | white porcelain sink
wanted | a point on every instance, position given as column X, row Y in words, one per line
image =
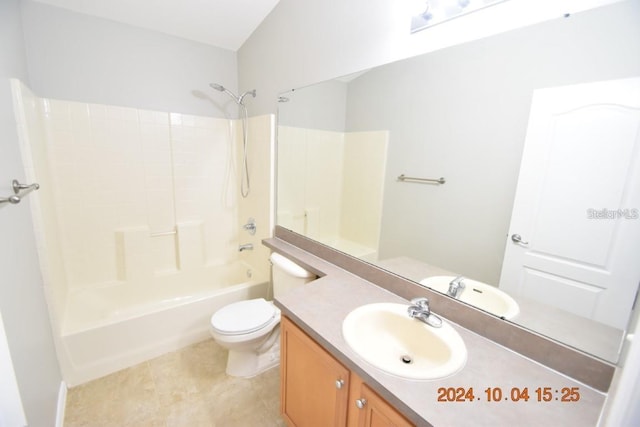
column 478, row 294
column 385, row 336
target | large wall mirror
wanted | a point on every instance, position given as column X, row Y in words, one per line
column 349, row 148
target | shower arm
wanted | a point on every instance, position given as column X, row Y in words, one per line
column 238, row 99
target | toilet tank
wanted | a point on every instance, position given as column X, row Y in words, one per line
column 287, row 274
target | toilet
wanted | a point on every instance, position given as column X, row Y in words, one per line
column 250, row 329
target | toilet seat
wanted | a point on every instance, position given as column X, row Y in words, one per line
column 244, row 317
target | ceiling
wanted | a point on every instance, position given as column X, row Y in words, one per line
column 222, row 23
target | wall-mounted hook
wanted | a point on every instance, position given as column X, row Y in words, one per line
column 17, row 187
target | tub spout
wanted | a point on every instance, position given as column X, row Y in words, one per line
column 246, row 247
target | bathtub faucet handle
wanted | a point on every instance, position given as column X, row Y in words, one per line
column 250, row 226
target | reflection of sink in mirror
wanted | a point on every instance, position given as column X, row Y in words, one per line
column 478, row 294
column 385, row 336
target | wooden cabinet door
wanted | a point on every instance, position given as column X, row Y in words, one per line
column 311, row 394
column 367, row 409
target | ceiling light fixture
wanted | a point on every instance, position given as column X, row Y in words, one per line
column 431, row 12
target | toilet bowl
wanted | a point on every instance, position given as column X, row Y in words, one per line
column 250, row 329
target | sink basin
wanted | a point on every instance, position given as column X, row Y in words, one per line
column 385, row 336
column 478, row 294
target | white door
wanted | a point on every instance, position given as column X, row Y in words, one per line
column 577, row 203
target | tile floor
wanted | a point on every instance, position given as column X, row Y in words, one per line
column 185, row 388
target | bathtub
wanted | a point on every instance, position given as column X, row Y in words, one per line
column 114, row 326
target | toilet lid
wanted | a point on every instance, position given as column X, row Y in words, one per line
column 243, row 317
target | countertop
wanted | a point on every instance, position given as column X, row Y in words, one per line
column 320, row 307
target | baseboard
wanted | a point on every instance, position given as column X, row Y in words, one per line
column 62, row 404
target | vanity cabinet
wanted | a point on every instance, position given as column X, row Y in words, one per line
column 314, row 386
column 370, row 410
column 317, row 390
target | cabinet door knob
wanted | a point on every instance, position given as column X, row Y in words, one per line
column 360, row 403
column 339, row 384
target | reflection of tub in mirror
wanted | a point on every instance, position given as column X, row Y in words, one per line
column 478, row 294
column 470, row 128
column 330, row 186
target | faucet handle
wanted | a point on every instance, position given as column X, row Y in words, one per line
column 421, row 302
column 250, row 226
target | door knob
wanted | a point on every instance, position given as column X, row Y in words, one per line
column 518, row 239
column 339, row 384
column 360, row 403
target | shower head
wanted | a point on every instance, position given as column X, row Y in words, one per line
column 216, row 86
column 239, row 99
column 221, row 88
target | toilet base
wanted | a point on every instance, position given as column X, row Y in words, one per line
column 247, row 364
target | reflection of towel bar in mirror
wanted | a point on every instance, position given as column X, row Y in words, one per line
column 403, row 178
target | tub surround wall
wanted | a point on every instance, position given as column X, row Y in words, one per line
column 139, row 193
column 260, row 204
column 305, row 155
column 568, row 361
column 132, row 194
column 365, row 159
column 331, row 186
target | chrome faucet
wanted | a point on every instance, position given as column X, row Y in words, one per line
column 419, row 309
column 246, row 247
column 455, row 287
column 250, row 226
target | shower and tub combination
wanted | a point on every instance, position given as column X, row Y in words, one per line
column 140, row 221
